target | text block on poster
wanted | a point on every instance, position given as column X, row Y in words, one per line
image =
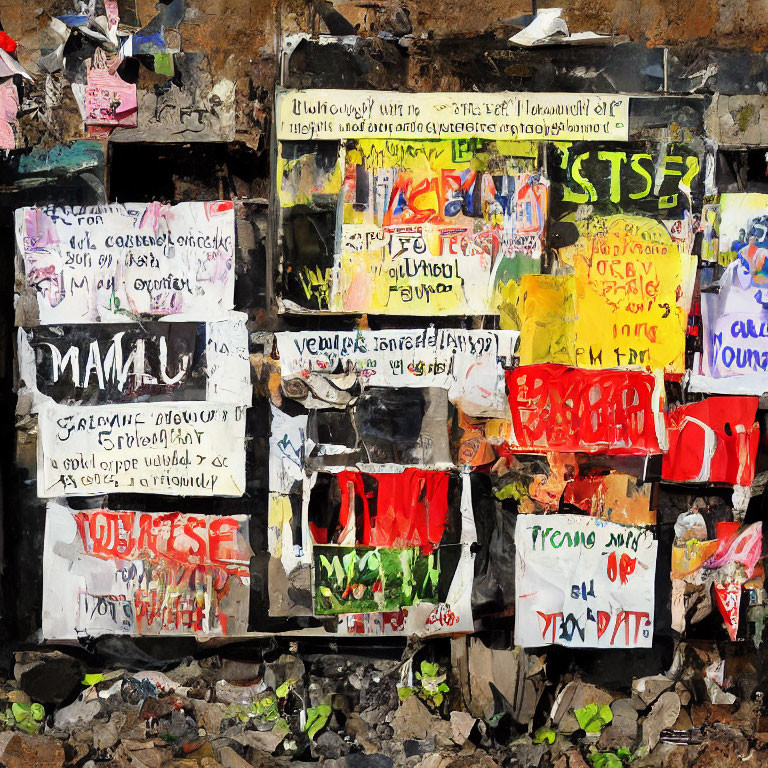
column 172, row 449
column 114, row 263
column 338, row 114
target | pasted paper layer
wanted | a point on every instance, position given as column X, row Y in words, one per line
column 583, row 582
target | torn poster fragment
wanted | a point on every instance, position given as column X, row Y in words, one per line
column 286, row 452
column 735, row 342
column 557, row 408
column 384, row 425
column 122, row 363
column 9, row 107
column 712, row 441
column 109, row 100
column 434, row 228
column 388, row 553
column 143, row 573
column 357, row 580
column 469, row 364
column 613, row 496
column 116, row 262
column 640, row 177
column 384, row 509
column 176, row 449
column 583, row 582
column 743, row 226
column 737, row 546
column 728, row 597
column 339, row 114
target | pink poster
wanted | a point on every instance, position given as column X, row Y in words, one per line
column 9, row 106
column 109, row 100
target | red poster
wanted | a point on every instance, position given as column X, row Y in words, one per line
column 728, row 601
column 713, row 441
column 558, row 408
column 399, row 509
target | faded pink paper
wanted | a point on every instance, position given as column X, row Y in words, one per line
column 113, row 15
column 109, row 100
column 9, row 106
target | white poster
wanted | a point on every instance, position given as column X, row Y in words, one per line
column 469, row 364
column 338, row 114
column 583, row 582
column 144, row 573
column 174, row 449
column 286, row 451
column 116, row 262
column 228, row 364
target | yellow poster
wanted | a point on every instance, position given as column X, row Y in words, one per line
column 621, row 306
column 547, row 313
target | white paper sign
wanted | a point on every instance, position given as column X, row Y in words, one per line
column 174, row 449
column 583, row 582
column 466, row 363
column 227, row 360
column 338, row 114
column 286, row 451
column 115, row 262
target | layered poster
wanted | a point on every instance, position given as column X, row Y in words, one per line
column 468, row 364
column 428, row 204
column 143, row 573
column 735, row 316
column 137, row 368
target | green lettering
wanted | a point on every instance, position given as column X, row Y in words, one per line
column 615, row 159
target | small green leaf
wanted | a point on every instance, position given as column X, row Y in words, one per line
column 429, row 670
column 585, row 714
column 20, row 711
column 605, row 714
column 544, row 734
column 92, row 679
column 438, row 699
column 284, row 689
column 281, row 725
column 29, row 726
column 592, row 718
column 317, row 717
column 605, row 760
column 404, row 692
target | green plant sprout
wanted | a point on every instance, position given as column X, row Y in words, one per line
column 317, row 717
column 431, row 688
column 618, row 759
column 265, row 708
column 544, row 734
